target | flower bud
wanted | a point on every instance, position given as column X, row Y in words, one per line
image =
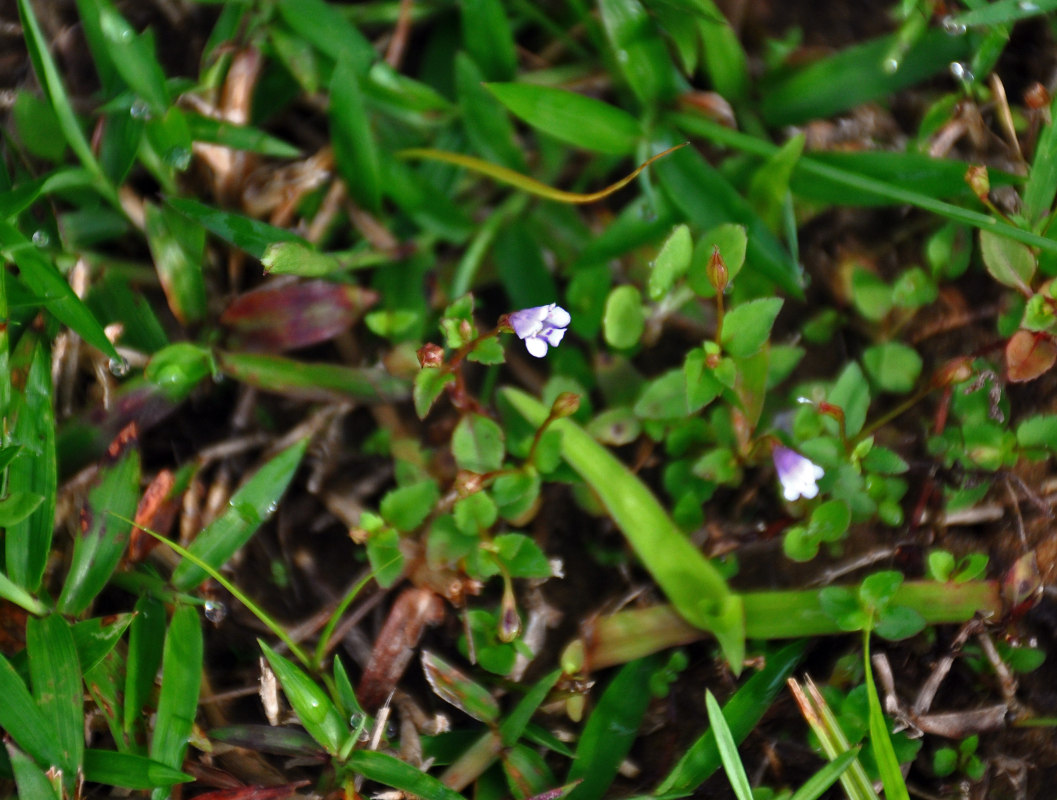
column 956, row 370
column 978, row 180
column 717, row 272
column 430, row 355
column 565, row 405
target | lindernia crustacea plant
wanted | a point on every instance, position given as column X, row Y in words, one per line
column 540, row 327
column 797, row 474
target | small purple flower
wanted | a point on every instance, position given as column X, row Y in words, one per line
column 798, row 475
column 540, row 326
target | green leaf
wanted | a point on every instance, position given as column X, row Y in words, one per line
column 851, row 394
column 33, row 470
column 429, row 383
column 728, row 749
column 313, row 707
column 1038, row 432
column 355, row 151
column 51, row 81
column 664, row 397
column 177, row 246
column 145, row 644
column 769, row 189
column 893, row 366
column 1002, row 11
column 38, row 127
column 855, row 76
column 610, row 730
column 248, row 234
column 132, row 56
column 724, row 57
column 106, row 524
column 747, row 328
column 238, row 137
column 384, row 554
column 307, row 381
column 639, row 51
column 693, row 584
column 17, row 506
column 478, row 444
column 453, row 686
column 485, row 120
column 30, row 779
column 671, row 263
column 178, row 698
column 56, row 676
column 513, row 726
column 884, row 753
column 573, row 118
column 1010, row 263
column 707, row 199
column 129, row 771
column 521, row 555
column 52, row 290
column 24, row 721
column 329, row 31
column 487, row 37
column 407, row 507
column 253, row 504
column 95, row 638
column 830, row 520
column 625, row 319
column 390, row 771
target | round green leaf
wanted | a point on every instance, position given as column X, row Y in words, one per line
column 624, row 319
column 478, row 444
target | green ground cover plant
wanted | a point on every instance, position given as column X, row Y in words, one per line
column 456, row 398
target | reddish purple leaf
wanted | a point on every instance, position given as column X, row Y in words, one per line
column 280, row 317
column 1029, row 354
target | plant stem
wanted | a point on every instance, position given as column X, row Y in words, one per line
column 632, row 634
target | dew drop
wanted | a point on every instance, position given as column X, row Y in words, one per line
column 139, row 110
column 961, row 72
column 890, row 65
column 951, row 26
column 357, row 720
column 118, row 367
column 179, row 158
column 215, row 611
column 1031, row 8
column 364, row 736
column 390, row 730
column 41, row 238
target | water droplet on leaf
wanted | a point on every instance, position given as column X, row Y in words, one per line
column 179, row 158
column 118, row 367
column 890, row 65
column 41, row 238
column 139, row 110
column 951, row 26
column 961, row 72
column 215, row 611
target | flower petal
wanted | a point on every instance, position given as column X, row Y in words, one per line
column 558, row 317
column 537, row 346
column 528, row 321
column 553, row 336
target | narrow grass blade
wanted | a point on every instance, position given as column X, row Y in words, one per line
column 27, row 542
column 292, row 378
column 177, row 246
column 313, row 707
column 129, row 770
column 870, row 186
column 818, row 783
column 573, row 118
column 103, row 682
column 243, row 232
column 455, row 687
column 1041, row 186
column 884, row 753
column 178, row 699
column 253, row 504
column 9, row 590
column 694, row 586
column 329, row 31
column 31, row 780
column 856, row 75
column 390, row 771
column 56, row 676
column 52, row 290
column 145, row 644
column 355, row 151
column 611, row 730
column 94, row 638
column 23, row 720
column 1001, row 12
column 728, row 749
column 239, row 137
column 639, row 51
column 51, row 81
column 742, row 713
column 105, row 531
column 513, row 726
column 484, row 118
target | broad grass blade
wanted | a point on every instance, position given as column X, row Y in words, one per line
column 313, row 707
column 56, row 676
column 129, row 770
